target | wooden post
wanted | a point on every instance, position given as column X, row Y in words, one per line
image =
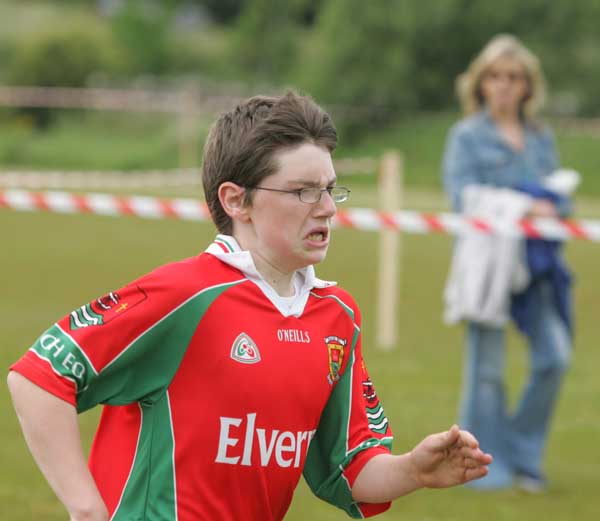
column 390, row 198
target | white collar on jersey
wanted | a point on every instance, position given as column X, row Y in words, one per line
column 227, row 249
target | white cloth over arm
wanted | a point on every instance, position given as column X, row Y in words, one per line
column 487, row 267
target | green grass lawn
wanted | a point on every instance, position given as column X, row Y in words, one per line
column 53, row 263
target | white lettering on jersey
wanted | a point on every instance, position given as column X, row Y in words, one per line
column 283, row 447
column 225, row 441
column 54, row 347
column 266, row 450
column 287, row 446
column 293, row 335
column 248, row 439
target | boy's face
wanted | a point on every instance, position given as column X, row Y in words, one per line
column 291, row 234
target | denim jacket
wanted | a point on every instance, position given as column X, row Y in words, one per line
column 476, row 153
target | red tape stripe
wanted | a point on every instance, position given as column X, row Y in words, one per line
column 388, row 221
column 124, row 206
column 434, row 224
column 39, row 201
column 343, row 220
column 575, row 229
column 530, row 230
column 167, row 209
column 480, row 225
column 82, row 204
column 205, row 210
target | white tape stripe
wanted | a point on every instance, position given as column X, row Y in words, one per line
column 147, row 207
column 102, row 204
column 19, row 200
column 189, row 209
column 591, row 228
column 358, row 218
column 61, row 202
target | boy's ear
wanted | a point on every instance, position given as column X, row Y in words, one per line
column 232, row 198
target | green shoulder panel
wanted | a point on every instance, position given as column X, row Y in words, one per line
column 145, row 368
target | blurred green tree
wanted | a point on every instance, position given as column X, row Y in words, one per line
column 62, row 56
column 404, row 55
column 141, row 28
column 264, row 45
column 358, row 62
column 223, row 11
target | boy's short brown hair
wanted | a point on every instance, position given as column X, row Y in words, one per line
column 241, row 144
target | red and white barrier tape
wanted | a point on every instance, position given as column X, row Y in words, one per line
column 357, row 218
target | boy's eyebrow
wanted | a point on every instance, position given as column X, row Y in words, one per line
column 311, row 183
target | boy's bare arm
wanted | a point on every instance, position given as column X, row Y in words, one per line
column 51, row 431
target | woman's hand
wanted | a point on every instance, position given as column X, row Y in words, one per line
column 543, row 208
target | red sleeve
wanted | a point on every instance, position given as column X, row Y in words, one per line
column 67, row 359
column 39, row 371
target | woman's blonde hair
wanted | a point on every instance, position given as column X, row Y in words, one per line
column 468, row 84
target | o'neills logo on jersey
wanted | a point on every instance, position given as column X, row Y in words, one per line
column 293, row 335
column 335, row 355
column 104, row 309
column 260, row 445
column 244, row 350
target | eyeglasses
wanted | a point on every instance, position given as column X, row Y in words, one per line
column 312, row 195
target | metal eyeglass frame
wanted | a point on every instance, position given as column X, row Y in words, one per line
column 339, row 194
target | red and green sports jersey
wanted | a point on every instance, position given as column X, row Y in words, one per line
column 214, row 401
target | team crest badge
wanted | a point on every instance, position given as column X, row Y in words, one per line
column 244, row 350
column 104, row 309
column 335, row 354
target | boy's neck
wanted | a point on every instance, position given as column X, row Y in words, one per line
column 281, row 281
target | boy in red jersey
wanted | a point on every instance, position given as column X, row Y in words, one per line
column 226, row 376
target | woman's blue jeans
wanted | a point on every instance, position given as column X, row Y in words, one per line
column 516, row 439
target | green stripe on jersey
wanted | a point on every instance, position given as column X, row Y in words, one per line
column 150, row 489
column 220, row 238
column 325, row 477
column 65, row 357
column 144, row 369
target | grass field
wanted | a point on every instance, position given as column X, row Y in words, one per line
column 51, row 264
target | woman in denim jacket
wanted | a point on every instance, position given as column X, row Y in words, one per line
column 500, row 144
